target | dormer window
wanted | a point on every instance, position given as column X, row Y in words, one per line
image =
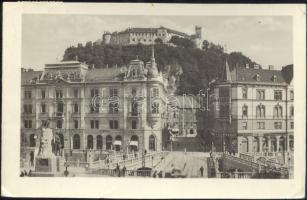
column 257, row 77
column 274, row 78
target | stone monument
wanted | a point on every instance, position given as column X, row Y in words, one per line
column 46, row 162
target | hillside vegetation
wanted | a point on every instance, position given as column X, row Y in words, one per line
column 193, row 68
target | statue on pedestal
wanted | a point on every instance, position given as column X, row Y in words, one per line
column 45, row 147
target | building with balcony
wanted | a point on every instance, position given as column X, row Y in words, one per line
column 251, row 111
column 119, row 108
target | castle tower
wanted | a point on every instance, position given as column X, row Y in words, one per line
column 106, row 38
column 198, row 32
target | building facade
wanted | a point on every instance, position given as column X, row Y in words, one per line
column 251, row 111
column 148, row 36
column 120, row 109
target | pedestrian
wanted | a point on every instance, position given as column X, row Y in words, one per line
column 145, row 152
column 124, row 170
column 154, row 174
column 160, row 174
column 202, row 171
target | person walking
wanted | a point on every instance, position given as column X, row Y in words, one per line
column 124, row 170
column 201, row 171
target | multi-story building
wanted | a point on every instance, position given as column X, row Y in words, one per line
column 251, row 111
column 120, row 109
column 147, row 36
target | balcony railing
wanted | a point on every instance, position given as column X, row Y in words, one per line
column 58, row 114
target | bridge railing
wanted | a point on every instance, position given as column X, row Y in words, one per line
column 122, row 173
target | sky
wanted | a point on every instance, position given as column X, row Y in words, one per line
column 267, row 40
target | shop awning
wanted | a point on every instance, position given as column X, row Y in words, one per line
column 117, row 142
column 133, row 143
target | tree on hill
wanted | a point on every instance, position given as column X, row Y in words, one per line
column 182, row 42
column 192, row 67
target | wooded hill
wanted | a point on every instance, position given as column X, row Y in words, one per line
column 193, row 68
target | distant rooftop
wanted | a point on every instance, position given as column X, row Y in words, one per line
column 250, row 75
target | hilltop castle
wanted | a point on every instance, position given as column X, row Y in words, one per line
column 148, row 36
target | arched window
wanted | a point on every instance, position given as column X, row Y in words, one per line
column 99, row 142
column 260, row 111
column 113, row 107
column 109, row 142
column 152, row 143
column 134, row 140
column 76, row 141
column 118, row 142
column 277, row 111
column 32, row 140
column 244, row 111
column 90, row 142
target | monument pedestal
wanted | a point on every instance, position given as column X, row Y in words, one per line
column 48, row 166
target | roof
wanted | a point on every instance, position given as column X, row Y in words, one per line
column 249, row 75
column 73, row 62
column 153, row 30
column 140, row 30
column 102, row 74
column 26, row 77
column 176, row 32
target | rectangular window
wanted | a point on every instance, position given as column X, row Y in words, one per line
column 94, row 92
column 244, row 125
column 113, row 124
column 28, row 94
column 76, row 124
column 43, row 108
column 92, row 124
column 277, row 125
column 277, row 95
column 96, row 124
column 260, row 95
column 113, row 92
column 244, row 93
column 59, row 124
column 25, row 108
column 25, row 123
column 133, row 124
column 76, row 108
column 155, row 92
column 260, row 125
column 292, row 125
column 76, row 93
column 291, row 95
column 43, row 94
column 59, row 94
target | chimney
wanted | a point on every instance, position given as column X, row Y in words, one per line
column 271, row 67
column 107, row 66
column 115, row 66
column 247, row 65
